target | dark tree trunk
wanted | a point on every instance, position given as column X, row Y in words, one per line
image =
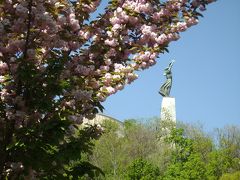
column 6, row 137
column 2, row 149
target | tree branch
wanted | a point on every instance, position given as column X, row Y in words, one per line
column 28, row 28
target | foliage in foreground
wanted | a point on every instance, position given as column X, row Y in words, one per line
column 51, row 151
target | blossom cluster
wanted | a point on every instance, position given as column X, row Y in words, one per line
column 50, row 48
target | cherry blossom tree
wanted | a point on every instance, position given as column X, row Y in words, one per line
column 56, row 65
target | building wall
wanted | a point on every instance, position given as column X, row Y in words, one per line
column 100, row 118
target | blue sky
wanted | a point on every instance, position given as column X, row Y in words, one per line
column 206, row 74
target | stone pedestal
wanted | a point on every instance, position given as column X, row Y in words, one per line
column 168, row 109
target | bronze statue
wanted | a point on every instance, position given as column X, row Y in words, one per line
column 166, row 87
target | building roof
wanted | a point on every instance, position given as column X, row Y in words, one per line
column 99, row 120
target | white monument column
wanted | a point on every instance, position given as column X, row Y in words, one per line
column 168, row 109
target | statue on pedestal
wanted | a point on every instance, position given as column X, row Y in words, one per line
column 166, row 87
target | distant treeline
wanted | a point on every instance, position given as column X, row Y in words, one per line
column 163, row 150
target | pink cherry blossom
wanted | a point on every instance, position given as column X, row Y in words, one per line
column 162, row 39
column 101, row 97
column 112, row 42
column 3, row 67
